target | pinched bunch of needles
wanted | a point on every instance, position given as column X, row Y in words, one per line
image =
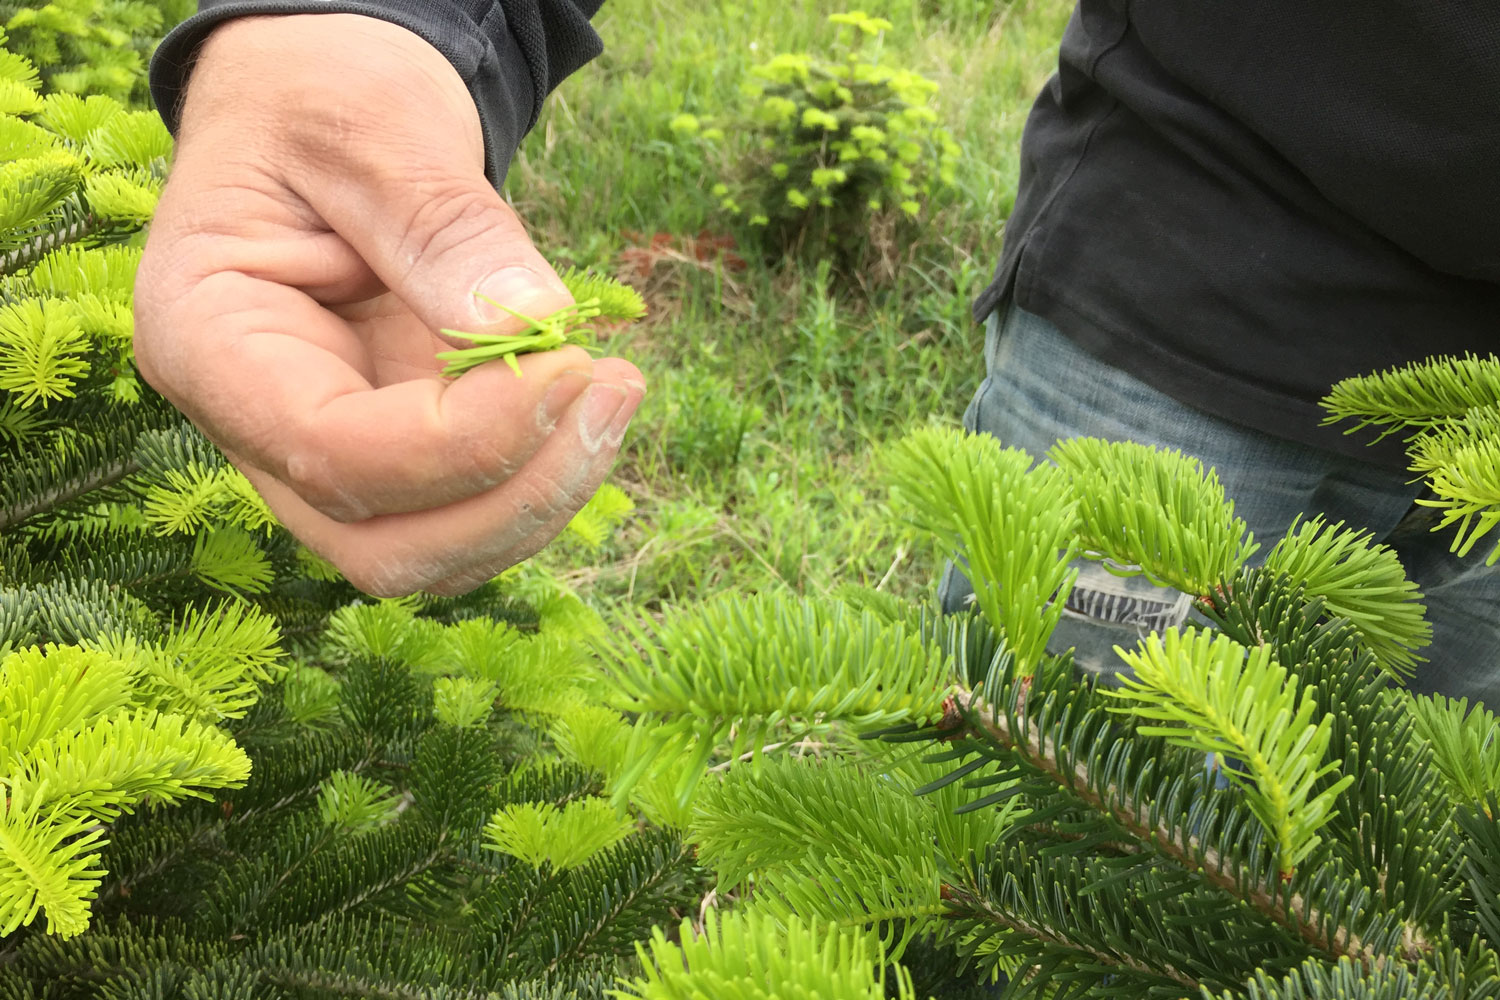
column 595, row 296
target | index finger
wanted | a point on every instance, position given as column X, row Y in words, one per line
column 293, row 404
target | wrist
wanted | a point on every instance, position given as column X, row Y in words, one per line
column 328, row 77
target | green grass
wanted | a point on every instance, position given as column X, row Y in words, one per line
column 772, row 386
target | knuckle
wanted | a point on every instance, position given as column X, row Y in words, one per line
column 452, row 212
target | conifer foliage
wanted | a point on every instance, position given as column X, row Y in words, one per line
column 1065, row 839
column 1450, row 409
column 398, row 835
column 122, row 648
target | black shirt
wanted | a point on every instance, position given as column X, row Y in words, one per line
column 510, row 53
column 1240, row 202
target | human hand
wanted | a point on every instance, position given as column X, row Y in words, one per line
column 326, row 214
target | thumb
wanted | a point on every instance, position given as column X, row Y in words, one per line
column 444, row 243
column 402, row 180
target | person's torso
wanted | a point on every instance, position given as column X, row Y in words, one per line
column 1242, row 201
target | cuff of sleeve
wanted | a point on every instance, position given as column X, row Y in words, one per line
column 496, row 74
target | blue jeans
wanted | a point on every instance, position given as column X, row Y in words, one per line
column 1040, row 388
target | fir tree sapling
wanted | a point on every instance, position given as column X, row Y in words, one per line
column 843, row 148
column 122, row 649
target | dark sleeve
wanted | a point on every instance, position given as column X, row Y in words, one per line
column 510, row 53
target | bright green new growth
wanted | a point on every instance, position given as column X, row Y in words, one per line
column 787, row 831
column 93, row 46
column 1454, row 406
column 83, row 743
column 1153, row 511
column 732, row 676
column 598, row 518
column 749, row 957
column 1465, row 746
column 355, row 803
column 463, row 701
column 1423, row 394
column 599, row 739
column 1461, row 460
column 594, row 297
column 1361, row 581
column 210, row 665
column 478, row 663
column 1240, row 705
column 542, row 834
column 1015, row 525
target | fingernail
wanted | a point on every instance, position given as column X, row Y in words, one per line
column 517, row 288
column 596, row 414
column 560, row 395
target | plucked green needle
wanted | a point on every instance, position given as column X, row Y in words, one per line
column 595, row 295
column 564, row 326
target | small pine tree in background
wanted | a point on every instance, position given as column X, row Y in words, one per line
column 846, row 156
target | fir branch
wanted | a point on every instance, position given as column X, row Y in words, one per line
column 1024, row 736
column 540, row 833
column 66, row 492
column 966, row 904
column 1481, row 855
column 322, row 983
column 97, row 454
column 743, row 957
column 1465, row 744
column 637, row 876
column 1155, row 512
column 68, row 230
column 1014, row 526
column 111, row 765
column 743, row 671
column 788, row 829
column 1241, row 706
column 1394, row 826
column 1360, row 580
column 1346, row 979
column 118, row 952
column 370, row 956
column 506, row 909
column 1460, row 459
column 1417, row 395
